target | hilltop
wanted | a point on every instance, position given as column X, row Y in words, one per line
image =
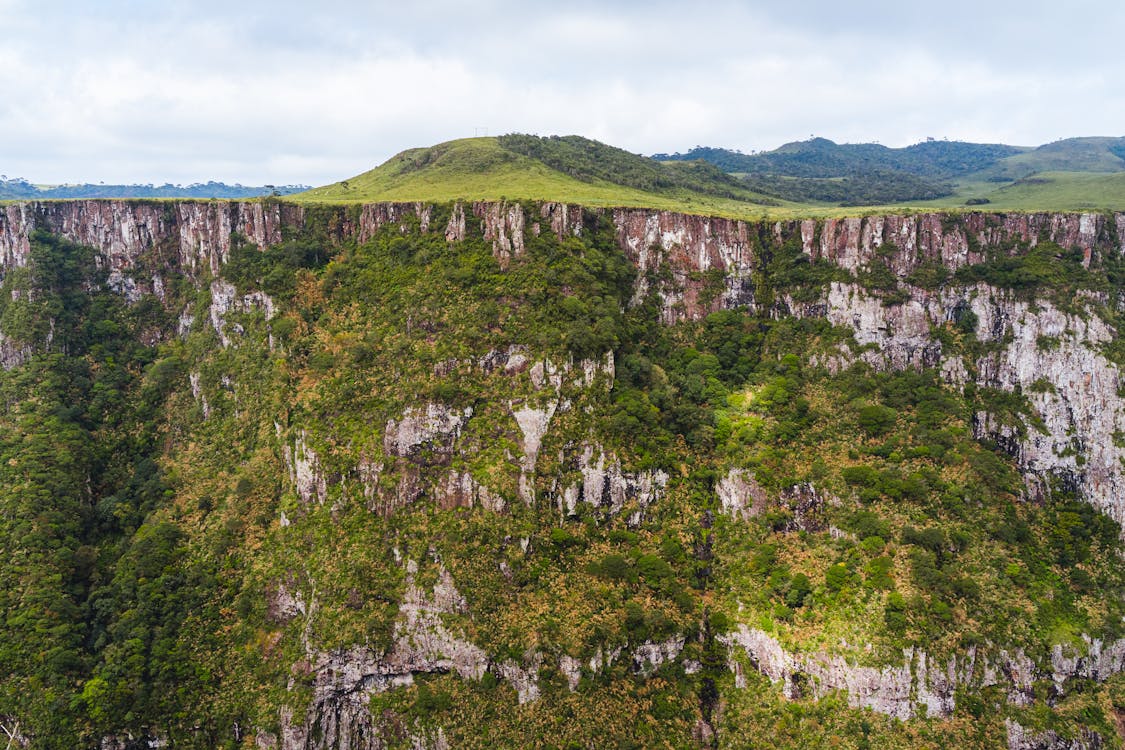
column 568, row 169
column 805, row 178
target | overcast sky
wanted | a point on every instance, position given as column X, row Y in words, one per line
column 312, row 92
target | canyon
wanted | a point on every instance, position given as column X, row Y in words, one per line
column 1053, row 352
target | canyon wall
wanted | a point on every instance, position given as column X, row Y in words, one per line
column 1054, row 355
column 708, row 264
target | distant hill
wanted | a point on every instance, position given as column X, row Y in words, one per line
column 821, row 171
column 567, row 168
column 21, row 189
column 1069, row 155
column 822, row 158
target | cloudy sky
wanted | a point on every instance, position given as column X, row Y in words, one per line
column 283, row 92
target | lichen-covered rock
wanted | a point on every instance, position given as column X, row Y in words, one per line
column 431, row 430
column 608, row 488
column 226, row 299
column 902, row 691
column 12, row 354
column 740, row 496
column 304, row 471
column 649, row 657
column 533, row 423
column 461, row 490
column 1022, row 738
column 571, row 669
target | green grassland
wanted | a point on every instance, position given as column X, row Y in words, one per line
column 1069, row 155
column 482, row 169
column 578, row 170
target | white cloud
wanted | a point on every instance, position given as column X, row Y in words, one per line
column 276, row 93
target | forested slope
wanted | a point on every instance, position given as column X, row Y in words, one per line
column 533, row 474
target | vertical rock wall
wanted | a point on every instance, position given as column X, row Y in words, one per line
column 706, row 264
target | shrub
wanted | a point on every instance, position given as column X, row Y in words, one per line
column 876, row 420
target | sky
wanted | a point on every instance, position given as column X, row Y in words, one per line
column 310, row 93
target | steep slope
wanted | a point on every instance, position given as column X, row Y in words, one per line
column 518, row 474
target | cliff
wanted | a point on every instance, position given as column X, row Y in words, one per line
column 1081, row 406
column 429, row 497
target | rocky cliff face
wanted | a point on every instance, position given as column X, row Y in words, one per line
column 1053, row 356
column 1081, row 407
column 919, row 684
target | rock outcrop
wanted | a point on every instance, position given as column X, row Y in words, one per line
column 918, row 684
column 1022, row 738
column 343, row 681
column 305, row 473
column 740, row 495
column 606, row 487
column 1052, row 357
column 425, row 433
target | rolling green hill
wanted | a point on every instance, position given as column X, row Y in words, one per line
column 1075, row 173
column 569, row 169
column 1065, row 190
column 1069, row 155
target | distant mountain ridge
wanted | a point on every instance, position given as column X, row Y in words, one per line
column 20, row 189
column 820, row 170
column 822, row 158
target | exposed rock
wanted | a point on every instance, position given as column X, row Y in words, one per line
column 284, row 602
column 900, row 335
column 13, row 355
column 806, row 504
column 455, row 229
column 225, row 299
column 125, row 742
column 903, row 691
column 197, row 392
column 740, row 496
column 16, row 225
column 649, row 657
column 432, row 429
column 1080, row 406
column 548, row 373
column 460, row 490
column 523, row 677
column 571, row 668
column 565, row 220
column 1021, row 738
column 533, row 423
column 304, row 471
column 122, row 231
column 606, row 487
column 343, row 681
column 369, row 473
column 686, row 245
column 374, row 216
column 502, row 224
